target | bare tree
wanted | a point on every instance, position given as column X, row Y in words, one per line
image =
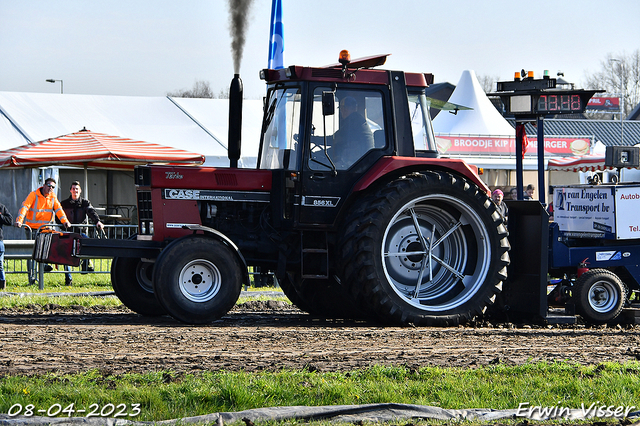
column 200, row 89
column 619, row 75
column 488, row 82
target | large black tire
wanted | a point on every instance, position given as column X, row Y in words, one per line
column 321, row 297
column 198, row 279
column 132, row 281
column 384, row 259
column 599, row 296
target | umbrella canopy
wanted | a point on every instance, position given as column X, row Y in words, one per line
column 96, row 150
column 582, row 163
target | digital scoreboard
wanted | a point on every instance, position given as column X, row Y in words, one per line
column 547, row 102
column 533, row 98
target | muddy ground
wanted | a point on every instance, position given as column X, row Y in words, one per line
column 271, row 335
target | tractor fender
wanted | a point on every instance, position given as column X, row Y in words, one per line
column 224, row 239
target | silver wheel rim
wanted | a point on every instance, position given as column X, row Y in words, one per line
column 603, row 297
column 144, row 276
column 199, row 280
column 452, row 262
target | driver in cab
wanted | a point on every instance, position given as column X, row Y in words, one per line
column 354, row 137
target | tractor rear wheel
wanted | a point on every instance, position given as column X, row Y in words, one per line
column 198, row 279
column 427, row 249
column 132, row 281
column 599, row 296
column 322, row 297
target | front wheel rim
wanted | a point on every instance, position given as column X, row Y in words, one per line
column 200, row 280
column 441, row 243
column 603, row 297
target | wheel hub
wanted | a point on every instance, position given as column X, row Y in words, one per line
column 602, row 297
column 434, row 276
column 200, row 280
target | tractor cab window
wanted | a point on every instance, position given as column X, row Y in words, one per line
column 423, row 137
column 280, row 126
column 354, row 127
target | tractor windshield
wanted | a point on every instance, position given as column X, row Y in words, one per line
column 423, row 138
column 280, row 128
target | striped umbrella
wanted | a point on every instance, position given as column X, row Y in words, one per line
column 96, row 150
column 582, row 163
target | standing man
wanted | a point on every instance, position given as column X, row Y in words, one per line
column 38, row 210
column 5, row 219
column 497, row 197
column 77, row 209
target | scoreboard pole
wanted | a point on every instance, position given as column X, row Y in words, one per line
column 541, row 184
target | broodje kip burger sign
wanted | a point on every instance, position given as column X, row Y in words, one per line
column 464, row 144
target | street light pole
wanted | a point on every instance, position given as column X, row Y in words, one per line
column 51, row 80
column 621, row 98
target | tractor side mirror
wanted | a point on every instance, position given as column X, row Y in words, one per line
column 328, row 103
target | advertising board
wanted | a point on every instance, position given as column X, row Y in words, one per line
column 584, row 211
column 627, row 212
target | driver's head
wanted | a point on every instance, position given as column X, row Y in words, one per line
column 348, row 105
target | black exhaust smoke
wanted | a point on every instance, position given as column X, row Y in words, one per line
column 235, row 120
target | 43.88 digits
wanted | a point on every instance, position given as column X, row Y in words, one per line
column 94, row 410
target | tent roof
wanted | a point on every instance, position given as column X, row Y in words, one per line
column 31, row 117
column 484, row 119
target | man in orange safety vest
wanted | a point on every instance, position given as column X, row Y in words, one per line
column 37, row 210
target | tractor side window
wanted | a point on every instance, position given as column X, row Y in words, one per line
column 281, row 125
column 423, row 138
column 356, row 127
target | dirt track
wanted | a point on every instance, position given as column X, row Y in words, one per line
column 271, row 335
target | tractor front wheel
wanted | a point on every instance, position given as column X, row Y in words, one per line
column 132, row 281
column 198, row 279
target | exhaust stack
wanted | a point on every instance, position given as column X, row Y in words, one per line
column 235, row 120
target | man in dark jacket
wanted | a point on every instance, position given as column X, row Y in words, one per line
column 354, row 137
column 5, row 219
column 77, row 209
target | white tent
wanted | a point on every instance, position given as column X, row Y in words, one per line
column 32, row 117
column 213, row 115
column 483, row 122
column 484, row 119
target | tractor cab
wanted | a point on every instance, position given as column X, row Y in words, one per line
column 324, row 128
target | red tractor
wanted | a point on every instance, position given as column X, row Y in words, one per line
column 350, row 207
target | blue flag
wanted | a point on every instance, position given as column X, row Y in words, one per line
column 276, row 38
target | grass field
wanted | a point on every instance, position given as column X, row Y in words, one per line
column 166, row 395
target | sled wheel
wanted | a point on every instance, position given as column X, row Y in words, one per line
column 198, row 279
column 131, row 280
column 599, row 296
column 428, row 249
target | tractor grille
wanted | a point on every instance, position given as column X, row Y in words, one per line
column 226, row 179
column 145, row 214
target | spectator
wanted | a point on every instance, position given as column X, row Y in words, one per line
column 77, row 209
column 5, row 219
column 497, row 197
column 513, row 193
column 528, row 193
column 38, row 210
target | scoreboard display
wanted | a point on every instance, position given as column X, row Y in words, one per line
column 530, row 98
column 548, row 103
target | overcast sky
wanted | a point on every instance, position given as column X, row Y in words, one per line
column 151, row 47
